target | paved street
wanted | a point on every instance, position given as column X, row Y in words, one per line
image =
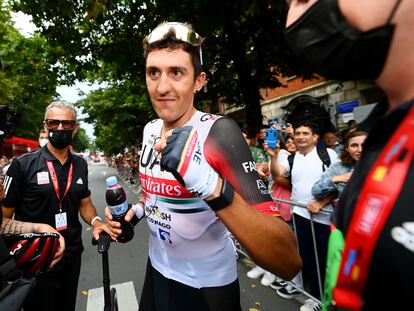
column 128, row 261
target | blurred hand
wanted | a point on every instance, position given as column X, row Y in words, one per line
column 314, row 207
column 99, row 227
column 344, row 178
column 39, row 228
column 262, row 169
column 113, row 226
column 271, row 151
column 289, row 129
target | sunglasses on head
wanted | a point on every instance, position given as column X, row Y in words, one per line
column 182, row 32
column 66, row 124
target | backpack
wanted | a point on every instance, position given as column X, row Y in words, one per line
column 323, row 155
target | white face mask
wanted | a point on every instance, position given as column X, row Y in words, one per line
column 43, row 142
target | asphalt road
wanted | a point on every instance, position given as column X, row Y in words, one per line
column 127, row 263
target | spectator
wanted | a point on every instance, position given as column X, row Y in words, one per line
column 347, row 45
column 331, row 141
column 262, row 132
column 281, row 184
column 8, row 163
column 335, row 178
column 4, row 162
column 50, row 185
column 259, row 154
column 263, row 171
column 281, row 189
column 260, row 157
column 352, row 125
column 192, row 262
column 43, row 139
column 305, row 169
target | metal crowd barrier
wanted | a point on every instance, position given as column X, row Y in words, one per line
column 242, row 252
column 124, row 171
column 129, row 177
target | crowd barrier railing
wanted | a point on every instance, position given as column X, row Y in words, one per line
column 127, row 174
column 302, row 288
column 314, row 243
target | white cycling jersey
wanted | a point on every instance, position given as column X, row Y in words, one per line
column 188, row 242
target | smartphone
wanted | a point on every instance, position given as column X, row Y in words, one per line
column 271, row 137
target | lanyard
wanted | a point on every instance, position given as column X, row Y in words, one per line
column 377, row 198
column 56, row 183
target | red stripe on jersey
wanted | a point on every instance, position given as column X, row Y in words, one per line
column 164, row 187
column 189, row 150
column 268, row 208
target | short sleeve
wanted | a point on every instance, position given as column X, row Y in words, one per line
column 333, row 155
column 12, row 184
column 282, row 159
column 85, row 192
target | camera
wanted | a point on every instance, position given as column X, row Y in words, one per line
column 8, row 118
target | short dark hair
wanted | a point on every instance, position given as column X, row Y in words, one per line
column 170, row 42
column 313, row 126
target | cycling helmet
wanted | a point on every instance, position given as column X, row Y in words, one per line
column 32, row 252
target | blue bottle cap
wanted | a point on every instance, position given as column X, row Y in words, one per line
column 111, row 181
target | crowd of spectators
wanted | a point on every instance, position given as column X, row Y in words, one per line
column 127, row 165
column 322, row 186
column 348, row 148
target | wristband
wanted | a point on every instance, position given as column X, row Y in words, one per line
column 225, row 199
column 139, row 212
column 95, row 219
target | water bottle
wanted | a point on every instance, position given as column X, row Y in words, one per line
column 118, row 206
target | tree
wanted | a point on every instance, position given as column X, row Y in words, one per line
column 102, row 40
column 81, row 141
column 27, row 80
column 117, row 115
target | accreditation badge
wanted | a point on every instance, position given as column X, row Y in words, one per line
column 42, row 178
column 61, row 221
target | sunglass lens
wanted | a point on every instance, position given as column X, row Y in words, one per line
column 68, row 124
column 52, row 123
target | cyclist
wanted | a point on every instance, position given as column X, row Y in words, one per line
column 192, row 261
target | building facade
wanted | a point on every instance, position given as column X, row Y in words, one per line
column 330, row 104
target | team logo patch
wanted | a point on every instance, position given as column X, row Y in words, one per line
column 42, row 178
column 208, row 116
column 165, row 236
column 262, row 186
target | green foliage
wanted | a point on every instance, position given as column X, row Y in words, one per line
column 101, row 40
column 118, row 116
column 27, row 80
column 81, row 140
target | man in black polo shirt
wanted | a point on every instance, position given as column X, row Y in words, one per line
column 50, row 185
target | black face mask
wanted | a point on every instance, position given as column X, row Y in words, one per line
column 335, row 49
column 60, row 139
